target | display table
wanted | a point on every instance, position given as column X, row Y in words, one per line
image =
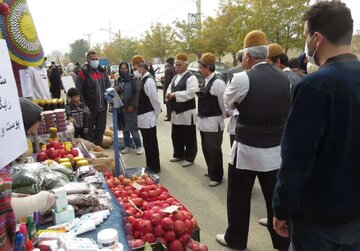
column 64, row 136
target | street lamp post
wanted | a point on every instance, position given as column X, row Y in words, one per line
column 111, row 33
column 88, row 35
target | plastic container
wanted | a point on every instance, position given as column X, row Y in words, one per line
column 107, row 238
column 31, row 229
column 19, row 242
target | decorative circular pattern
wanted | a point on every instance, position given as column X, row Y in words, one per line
column 18, row 29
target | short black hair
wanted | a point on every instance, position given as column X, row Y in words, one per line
column 294, row 63
column 332, row 19
column 211, row 67
column 284, row 60
column 53, row 62
column 73, row 92
column 170, row 60
column 274, row 59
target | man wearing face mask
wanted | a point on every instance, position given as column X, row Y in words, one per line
column 149, row 108
column 317, row 186
column 92, row 81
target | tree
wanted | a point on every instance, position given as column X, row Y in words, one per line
column 189, row 39
column 78, row 51
column 355, row 43
column 158, row 42
column 111, row 52
column 127, row 48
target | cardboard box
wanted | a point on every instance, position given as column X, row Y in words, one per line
column 64, row 216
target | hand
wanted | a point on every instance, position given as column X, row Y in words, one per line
column 280, row 227
column 170, row 96
column 129, row 109
column 72, row 120
column 86, row 130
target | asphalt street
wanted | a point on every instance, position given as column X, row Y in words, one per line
column 190, row 186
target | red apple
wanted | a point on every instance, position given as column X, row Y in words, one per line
column 74, row 152
column 41, row 156
column 52, row 153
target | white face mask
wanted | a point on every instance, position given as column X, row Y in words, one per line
column 94, row 64
column 311, row 58
column 137, row 74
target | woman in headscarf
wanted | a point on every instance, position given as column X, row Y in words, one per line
column 13, row 207
column 126, row 87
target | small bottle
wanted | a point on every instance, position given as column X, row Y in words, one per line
column 30, row 226
column 19, row 242
column 53, row 133
column 23, row 230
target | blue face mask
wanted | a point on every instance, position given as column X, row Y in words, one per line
column 94, row 64
column 124, row 74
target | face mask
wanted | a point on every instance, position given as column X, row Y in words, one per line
column 137, row 74
column 311, row 58
column 94, row 64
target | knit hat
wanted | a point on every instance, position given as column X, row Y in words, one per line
column 137, row 59
column 255, row 38
column 31, row 113
column 275, row 50
column 181, row 57
column 207, row 59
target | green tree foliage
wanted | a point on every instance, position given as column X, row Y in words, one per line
column 355, row 44
column 127, row 48
column 78, row 50
column 189, row 39
column 159, row 42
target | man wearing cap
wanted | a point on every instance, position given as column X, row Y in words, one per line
column 211, row 114
column 149, row 107
column 181, row 95
column 278, row 58
column 262, row 96
column 169, row 74
column 317, row 189
column 92, row 81
column 237, row 68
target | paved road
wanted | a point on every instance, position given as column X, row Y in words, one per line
column 190, row 186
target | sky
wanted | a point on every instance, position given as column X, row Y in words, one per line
column 60, row 23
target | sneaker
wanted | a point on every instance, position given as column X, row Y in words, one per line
column 125, row 150
column 186, row 163
column 213, row 183
column 176, row 159
column 263, row 222
column 139, row 150
column 221, row 239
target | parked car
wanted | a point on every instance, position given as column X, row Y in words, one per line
column 159, row 73
column 221, row 70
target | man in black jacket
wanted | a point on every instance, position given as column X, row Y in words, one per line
column 318, row 187
column 92, row 81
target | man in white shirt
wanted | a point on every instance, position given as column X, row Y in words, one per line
column 181, row 95
column 149, row 107
column 262, row 96
column 211, row 114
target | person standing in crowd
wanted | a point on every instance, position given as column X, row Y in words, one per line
column 234, row 113
column 262, row 96
column 237, row 68
column 77, row 113
column 149, row 108
column 77, row 68
column 181, row 95
column 317, row 187
column 293, row 64
column 127, row 88
column 211, row 114
column 70, row 71
column 169, row 74
column 92, row 81
column 54, row 76
column 278, row 58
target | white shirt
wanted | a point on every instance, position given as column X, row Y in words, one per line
column 150, row 119
column 234, row 114
column 248, row 157
column 211, row 124
column 192, row 86
column 40, row 83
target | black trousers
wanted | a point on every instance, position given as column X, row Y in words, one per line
column 211, row 147
column 79, row 132
column 184, row 142
column 168, row 110
column 232, row 138
column 240, row 184
column 97, row 126
column 151, row 147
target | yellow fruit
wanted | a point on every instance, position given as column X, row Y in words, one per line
column 62, row 160
column 82, row 162
column 76, row 159
column 67, row 164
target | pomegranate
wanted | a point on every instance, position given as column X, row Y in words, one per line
column 159, row 231
column 175, row 245
column 149, row 237
column 169, row 235
column 167, row 224
column 180, row 227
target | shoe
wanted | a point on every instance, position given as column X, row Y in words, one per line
column 125, row 150
column 263, row 222
column 213, row 183
column 221, row 239
column 176, row 159
column 139, row 150
column 206, row 174
column 186, row 163
column 167, row 119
